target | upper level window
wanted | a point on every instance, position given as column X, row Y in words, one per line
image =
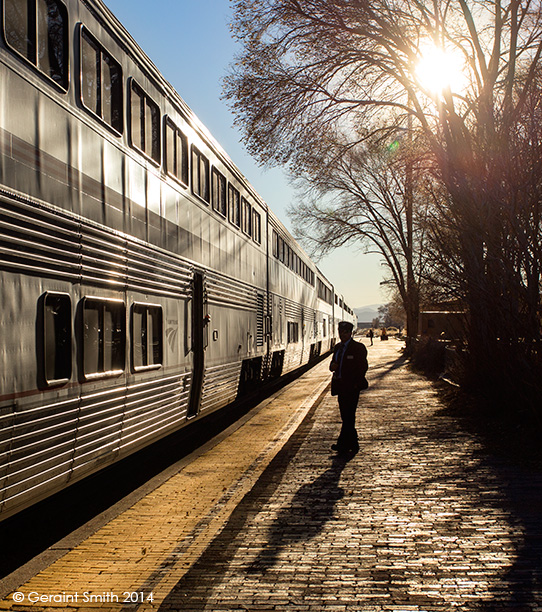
column 324, row 292
column 145, row 123
column 256, row 226
column 176, row 153
column 275, row 243
column 246, row 216
column 234, row 205
column 104, row 337
column 281, row 249
column 218, row 192
column 38, row 30
column 101, row 82
column 200, row 175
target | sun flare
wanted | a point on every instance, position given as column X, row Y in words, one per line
column 439, row 69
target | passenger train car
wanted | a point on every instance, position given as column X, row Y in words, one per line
column 144, row 282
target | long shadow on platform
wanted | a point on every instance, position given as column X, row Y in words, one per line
column 522, row 583
column 512, row 454
column 310, row 509
column 381, row 370
column 304, row 518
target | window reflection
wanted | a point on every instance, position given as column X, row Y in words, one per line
column 234, row 202
column 146, row 336
column 219, row 192
column 103, row 337
column 176, row 153
column 38, row 30
column 101, row 82
column 57, row 338
column 200, row 174
column 145, row 123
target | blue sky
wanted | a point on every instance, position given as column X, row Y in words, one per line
column 190, row 43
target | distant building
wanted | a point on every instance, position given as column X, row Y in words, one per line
column 364, row 324
column 442, row 324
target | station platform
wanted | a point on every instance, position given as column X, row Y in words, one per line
column 266, row 517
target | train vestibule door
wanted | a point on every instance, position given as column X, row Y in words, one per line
column 199, row 324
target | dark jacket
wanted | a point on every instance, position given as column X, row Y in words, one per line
column 354, row 368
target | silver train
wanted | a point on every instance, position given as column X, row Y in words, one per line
column 144, row 283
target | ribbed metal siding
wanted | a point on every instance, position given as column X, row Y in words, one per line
column 34, row 241
column 220, row 385
column 37, row 242
column 292, row 310
column 154, row 408
column 43, row 445
column 40, row 449
column 229, row 292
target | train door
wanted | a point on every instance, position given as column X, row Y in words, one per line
column 199, row 343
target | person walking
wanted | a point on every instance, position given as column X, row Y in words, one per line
column 349, row 366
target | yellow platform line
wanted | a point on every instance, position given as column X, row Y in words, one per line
column 143, row 552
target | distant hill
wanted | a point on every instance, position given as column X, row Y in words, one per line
column 367, row 313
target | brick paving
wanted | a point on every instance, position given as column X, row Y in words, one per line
column 142, row 547
column 423, row 518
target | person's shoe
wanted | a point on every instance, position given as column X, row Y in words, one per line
column 341, row 450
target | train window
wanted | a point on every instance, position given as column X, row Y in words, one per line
column 275, row 244
column 234, row 206
column 246, row 216
column 200, row 175
column 218, row 192
column 104, row 337
column 176, row 157
column 56, row 314
column 293, row 332
column 256, row 226
column 101, row 82
column 146, row 337
column 38, row 31
column 144, row 123
column 136, row 132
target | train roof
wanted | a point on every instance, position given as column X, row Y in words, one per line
column 109, row 20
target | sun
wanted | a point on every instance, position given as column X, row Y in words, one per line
column 439, row 69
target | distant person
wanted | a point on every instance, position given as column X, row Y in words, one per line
column 384, row 334
column 371, row 336
column 349, row 366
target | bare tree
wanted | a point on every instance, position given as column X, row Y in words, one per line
column 358, row 196
column 352, row 68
